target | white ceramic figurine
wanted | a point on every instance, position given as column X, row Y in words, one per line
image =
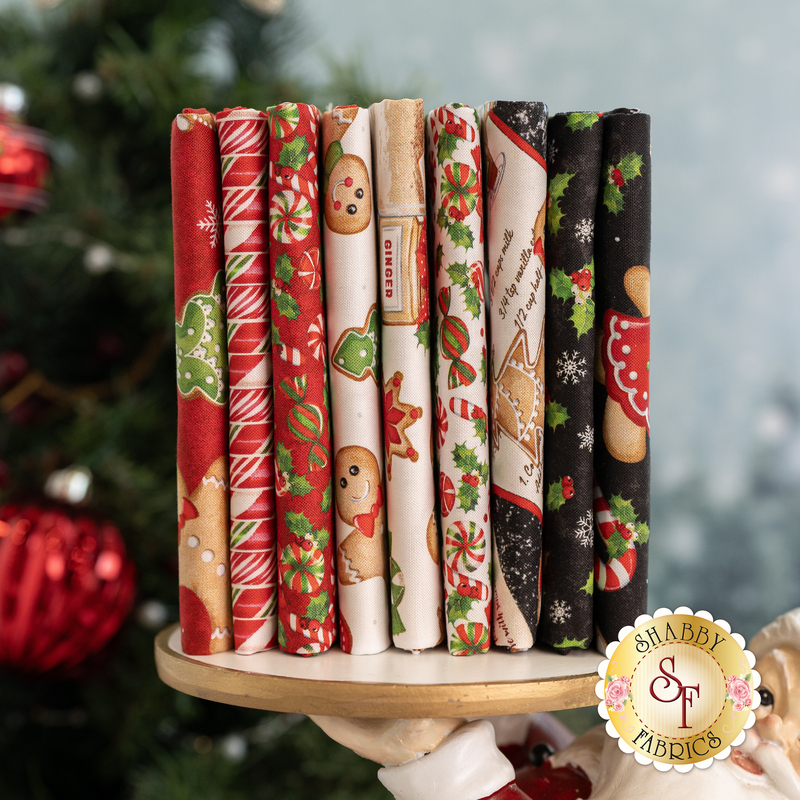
column 457, row 759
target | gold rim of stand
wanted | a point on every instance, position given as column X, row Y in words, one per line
column 375, row 699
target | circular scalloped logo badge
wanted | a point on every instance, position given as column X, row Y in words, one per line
column 678, row 689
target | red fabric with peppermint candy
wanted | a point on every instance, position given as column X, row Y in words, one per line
column 307, row 581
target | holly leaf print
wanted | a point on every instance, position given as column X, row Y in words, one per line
column 326, row 499
column 561, row 284
column 458, row 606
column 281, row 636
column 555, row 191
column 423, row 334
column 472, row 301
column 284, row 268
column 555, row 414
column 480, row 428
column 298, row 524
column 318, row 607
column 298, row 484
column 465, row 459
column 459, row 273
column 460, row 234
column 588, row 587
column 398, row 590
column 441, row 218
column 616, row 545
column 565, row 643
column 286, row 305
column 294, row 153
column 439, row 258
column 580, row 120
column 583, row 316
column 483, row 365
column 468, row 495
column 612, row 198
column 624, row 511
column 630, row 166
column 446, row 146
column 643, row 529
column 555, row 496
column 322, row 537
column 276, row 334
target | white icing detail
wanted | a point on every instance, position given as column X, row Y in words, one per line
column 626, row 349
column 221, row 634
column 363, row 496
column 193, row 541
column 618, row 366
column 207, row 556
column 218, row 483
column 220, row 569
column 634, row 376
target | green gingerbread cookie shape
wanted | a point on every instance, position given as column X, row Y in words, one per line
column 200, row 346
column 355, row 354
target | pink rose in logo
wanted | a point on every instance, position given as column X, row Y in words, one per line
column 617, row 692
column 739, row 692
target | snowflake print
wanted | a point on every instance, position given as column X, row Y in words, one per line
column 584, row 530
column 586, row 437
column 570, row 367
column 561, row 611
column 584, row 230
column 211, row 223
column 523, row 117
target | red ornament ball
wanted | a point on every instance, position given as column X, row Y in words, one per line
column 24, row 166
column 66, row 586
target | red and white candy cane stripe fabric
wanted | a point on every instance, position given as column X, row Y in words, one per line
column 244, row 144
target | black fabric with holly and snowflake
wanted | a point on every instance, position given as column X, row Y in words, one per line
column 574, row 150
column 622, row 242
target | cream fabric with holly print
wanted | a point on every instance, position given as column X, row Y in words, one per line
column 462, row 446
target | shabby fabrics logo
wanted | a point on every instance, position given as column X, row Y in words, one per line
column 678, row 689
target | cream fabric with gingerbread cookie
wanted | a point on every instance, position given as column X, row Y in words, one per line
column 351, row 285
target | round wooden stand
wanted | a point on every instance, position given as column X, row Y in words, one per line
column 394, row 684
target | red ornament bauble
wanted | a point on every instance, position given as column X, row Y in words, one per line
column 24, row 166
column 66, row 586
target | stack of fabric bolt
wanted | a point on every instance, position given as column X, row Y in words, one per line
column 388, row 394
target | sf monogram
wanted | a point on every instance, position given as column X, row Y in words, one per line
column 683, row 692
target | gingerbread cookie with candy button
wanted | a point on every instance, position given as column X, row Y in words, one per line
column 346, row 179
column 625, row 370
column 359, row 502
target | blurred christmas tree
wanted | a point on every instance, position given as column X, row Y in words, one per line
column 87, row 378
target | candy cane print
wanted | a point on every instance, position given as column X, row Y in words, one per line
column 464, row 585
column 616, row 573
